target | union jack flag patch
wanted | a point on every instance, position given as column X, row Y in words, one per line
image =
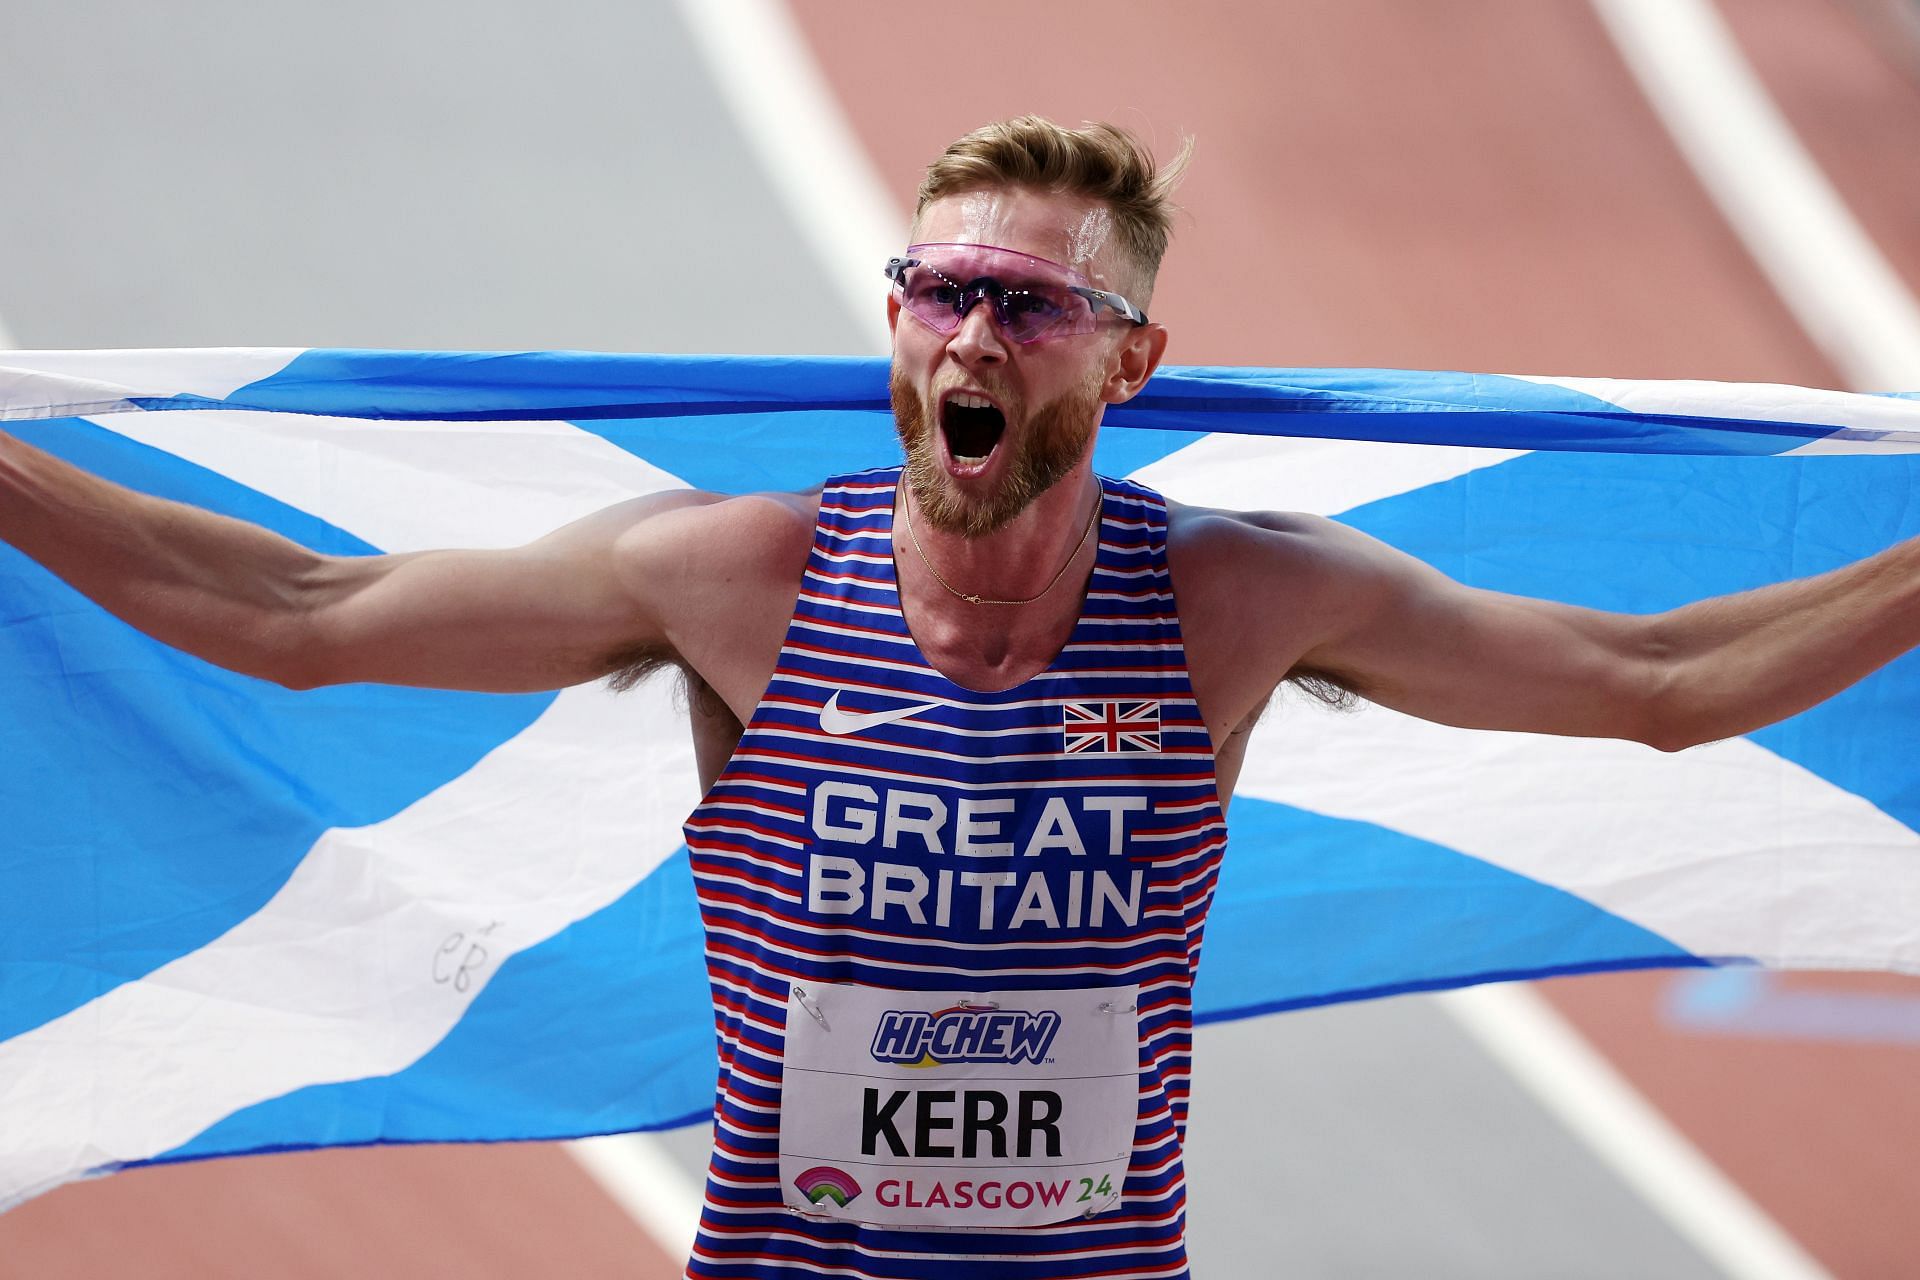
column 1110, row 728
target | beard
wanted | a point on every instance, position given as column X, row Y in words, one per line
column 1055, row 440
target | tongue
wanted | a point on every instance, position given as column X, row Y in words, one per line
column 972, row 433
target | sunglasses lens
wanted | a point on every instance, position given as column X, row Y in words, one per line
column 1027, row 306
column 1037, row 311
column 931, row 297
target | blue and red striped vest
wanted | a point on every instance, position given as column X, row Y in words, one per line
column 861, row 856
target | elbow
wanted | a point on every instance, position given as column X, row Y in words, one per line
column 1676, row 715
column 1671, row 739
column 298, row 679
column 307, row 638
column 288, row 645
column 1661, row 734
column 283, row 656
column 1662, row 714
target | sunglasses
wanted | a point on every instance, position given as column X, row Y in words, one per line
column 1030, row 298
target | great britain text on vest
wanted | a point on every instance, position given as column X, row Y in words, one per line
column 852, row 813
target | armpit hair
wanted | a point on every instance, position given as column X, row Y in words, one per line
column 636, row 666
column 1327, row 688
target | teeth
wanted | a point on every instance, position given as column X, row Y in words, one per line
column 967, row 400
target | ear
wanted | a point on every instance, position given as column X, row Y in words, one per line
column 1134, row 362
column 893, row 313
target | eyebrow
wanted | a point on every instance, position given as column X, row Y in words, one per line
column 1018, row 276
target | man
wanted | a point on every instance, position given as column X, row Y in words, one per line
column 968, row 731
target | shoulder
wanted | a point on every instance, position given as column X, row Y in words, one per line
column 717, row 575
column 724, row 537
column 1213, row 548
column 1258, row 592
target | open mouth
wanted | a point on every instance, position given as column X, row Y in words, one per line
column 972, row 425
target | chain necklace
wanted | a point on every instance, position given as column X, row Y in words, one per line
column 906, row 509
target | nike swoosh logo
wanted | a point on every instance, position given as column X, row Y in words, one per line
column 841, row 723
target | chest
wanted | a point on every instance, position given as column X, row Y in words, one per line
column 913, row 828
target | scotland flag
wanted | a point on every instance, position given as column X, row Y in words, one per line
column 237, row 918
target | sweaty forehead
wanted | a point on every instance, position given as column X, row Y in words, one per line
column 1061, row 228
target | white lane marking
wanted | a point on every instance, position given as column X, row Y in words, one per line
column 638, row 1174
column 1855, row 307
column 1836, row 282
column 792, row 122
column 70, row 381
column 368, row 955
column 408, row 486
column 797, row 131
column 1725, row 849
column 1278, row 473
column 1522, row 1032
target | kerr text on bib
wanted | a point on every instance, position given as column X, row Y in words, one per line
column 951, row 1109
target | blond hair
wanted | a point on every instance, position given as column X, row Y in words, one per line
column 1100, row 162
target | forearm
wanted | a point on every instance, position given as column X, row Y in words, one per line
column 226, row 591
column 1730, row 665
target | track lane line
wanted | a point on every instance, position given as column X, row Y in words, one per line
column 1834, row 280
column 1842, row 291
column 793, row 124
column 1568, row 1077
column 638, row 1175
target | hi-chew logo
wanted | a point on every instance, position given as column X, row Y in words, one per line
column 964, row 1033
column 824, row 1182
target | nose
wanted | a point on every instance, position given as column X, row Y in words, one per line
column 978, row 340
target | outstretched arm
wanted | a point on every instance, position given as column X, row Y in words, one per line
column 556, row 612
column 1406, row 636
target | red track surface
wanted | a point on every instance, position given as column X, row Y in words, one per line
column 1855, row 107
column 1377, row 183
column 1424, row 185
column 1821, row 1135
column 468, row 1211
column 1482, row 187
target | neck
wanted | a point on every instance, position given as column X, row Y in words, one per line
column 1019, row 565
column 1041, row 557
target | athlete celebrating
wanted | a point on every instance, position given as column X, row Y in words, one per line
column 967, row 726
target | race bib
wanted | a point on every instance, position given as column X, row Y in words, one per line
column 960, row 1110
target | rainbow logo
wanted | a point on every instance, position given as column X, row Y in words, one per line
column 824, row 1182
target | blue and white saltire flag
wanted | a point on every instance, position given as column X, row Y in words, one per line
column 237, row 918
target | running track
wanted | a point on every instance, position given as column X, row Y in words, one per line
column 1450, row 185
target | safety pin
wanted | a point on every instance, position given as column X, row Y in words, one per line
column 806, row 1002
column 1108, row 1006
column 964, row 1003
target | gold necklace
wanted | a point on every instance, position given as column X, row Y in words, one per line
column 906, row 509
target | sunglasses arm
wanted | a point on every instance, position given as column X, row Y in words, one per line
column 1101, row 298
